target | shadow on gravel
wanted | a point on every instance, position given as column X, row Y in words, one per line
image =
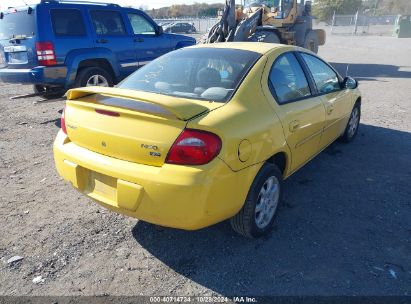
column 371, row 71
column 343, row 229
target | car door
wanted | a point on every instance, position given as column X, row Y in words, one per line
column 185, row 28
column 149, row 42
column 112, row 37
column 337, row 101
column 177, row 28
column 302, row 114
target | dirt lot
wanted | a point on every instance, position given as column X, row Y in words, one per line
column 344, row 228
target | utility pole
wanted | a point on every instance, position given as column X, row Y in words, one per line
column 356, row 23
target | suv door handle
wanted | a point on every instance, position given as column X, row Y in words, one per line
column 294, row 125
column 101, row 40
column 138, row 40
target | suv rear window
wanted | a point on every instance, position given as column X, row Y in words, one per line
column 67, row 22
column 109, row 23
column 19, row 24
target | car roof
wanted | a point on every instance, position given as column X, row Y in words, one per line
column 257, row 47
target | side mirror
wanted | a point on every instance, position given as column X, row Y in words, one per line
column 350, row 83
column 160, row 30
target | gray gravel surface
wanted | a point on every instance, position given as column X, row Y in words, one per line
column 344, row 227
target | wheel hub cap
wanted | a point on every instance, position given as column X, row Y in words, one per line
column 97, row 80
column 353, row 123
column 267, row 202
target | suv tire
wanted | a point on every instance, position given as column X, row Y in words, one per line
column 49, row 92
column 93, row 76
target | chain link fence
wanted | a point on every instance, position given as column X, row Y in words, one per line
column 363, row 25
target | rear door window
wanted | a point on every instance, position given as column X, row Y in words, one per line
column 108, row 23
column 288, row 80
column 67, row 22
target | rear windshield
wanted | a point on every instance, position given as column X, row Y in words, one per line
column 204, row 73
column 19, row 24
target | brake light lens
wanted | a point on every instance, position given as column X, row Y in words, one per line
column 194, row 147
column 63, row 122
column 45, row 53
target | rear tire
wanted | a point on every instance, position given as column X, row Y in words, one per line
column 257, row 216
column 265, row 36
column 49, row 92
column 93, row 76
column 311, row 41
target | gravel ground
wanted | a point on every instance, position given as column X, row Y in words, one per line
column 344, row 227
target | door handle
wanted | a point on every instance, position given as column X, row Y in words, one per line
column 101, row 40
column 294, row 125
column 138, row 40
column 330, row 109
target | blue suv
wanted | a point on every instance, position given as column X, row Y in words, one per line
column 57, row 45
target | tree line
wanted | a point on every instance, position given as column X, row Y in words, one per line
column 184, row 10
column 322, row 9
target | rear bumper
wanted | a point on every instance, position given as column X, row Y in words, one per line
column 37, row 75
column 173, row 196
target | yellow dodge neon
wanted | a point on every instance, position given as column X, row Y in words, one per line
column 205, row 133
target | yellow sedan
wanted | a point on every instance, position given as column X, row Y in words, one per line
column 206, row 133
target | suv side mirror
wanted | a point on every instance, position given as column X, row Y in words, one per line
column 160, row 30
column 350, row 83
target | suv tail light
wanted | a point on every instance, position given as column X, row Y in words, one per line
column 194, row 147
column 63, row 122
column 45, row 53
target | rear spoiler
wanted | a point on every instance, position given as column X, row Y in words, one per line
column 183, row 109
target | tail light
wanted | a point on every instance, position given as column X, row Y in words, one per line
column 194, row 147
column 45, row 53
column 63, row 122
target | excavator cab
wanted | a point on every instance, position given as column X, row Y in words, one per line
column 272, row 21
column 281, row 8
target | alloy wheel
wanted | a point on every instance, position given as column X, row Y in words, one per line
column 353, row 123
column 267, row 202
column 97, row 80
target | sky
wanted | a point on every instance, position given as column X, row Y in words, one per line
column 136, row 3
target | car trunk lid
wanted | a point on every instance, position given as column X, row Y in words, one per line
column 130, row 125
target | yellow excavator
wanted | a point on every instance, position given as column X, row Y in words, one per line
column 273, row 21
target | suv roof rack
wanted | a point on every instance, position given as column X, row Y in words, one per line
column 79, row 2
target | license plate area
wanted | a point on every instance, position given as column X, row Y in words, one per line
column 114, row 192
column 18, row 58
column 2, row 58
column 103, row 185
